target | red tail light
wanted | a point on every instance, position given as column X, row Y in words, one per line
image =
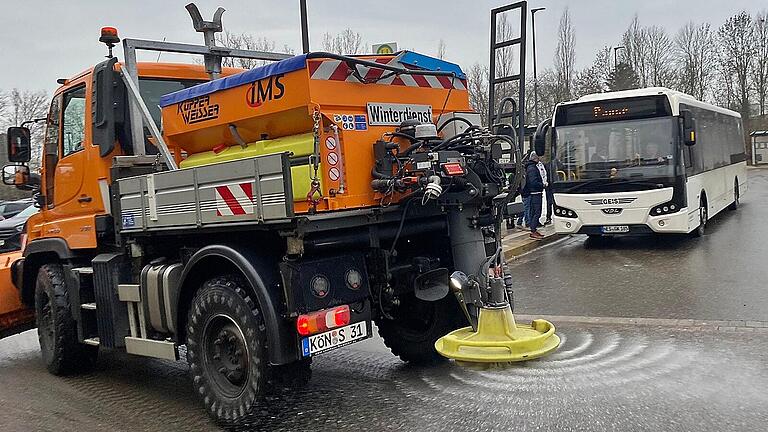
column 453, row 169
column 320, row 321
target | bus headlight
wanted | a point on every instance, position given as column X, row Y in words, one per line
column 565, row 213
column 665, row 209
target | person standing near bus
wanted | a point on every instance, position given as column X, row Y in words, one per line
column 535, row 181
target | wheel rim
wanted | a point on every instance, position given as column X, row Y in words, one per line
column 736, row 194
column 45, row 324
column 702, row 216
column 227, row 360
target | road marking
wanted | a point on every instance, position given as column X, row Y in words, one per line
column 719, row 325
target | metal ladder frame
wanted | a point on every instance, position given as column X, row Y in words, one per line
column 520, row 77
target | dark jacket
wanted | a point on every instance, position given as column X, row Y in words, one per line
column 533, row 180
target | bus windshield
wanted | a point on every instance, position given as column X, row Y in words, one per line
column 633, row 148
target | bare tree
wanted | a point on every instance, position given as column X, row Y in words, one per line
column 659, row 57
column 635, row 50
column 694, row 50
column 347, row 42
column 760, row 65
column 25, row 105
column 441, row 49
column 593, row 78
column 565, row 56
column 736, row 43
column 549, row 93
column 477, row 87
column 3, row 103
column 247, row 42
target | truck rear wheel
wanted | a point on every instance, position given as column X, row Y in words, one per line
column 417, row 326
column 56, row 329
column 226, row 350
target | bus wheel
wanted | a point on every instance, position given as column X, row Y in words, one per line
column 226, row 350
column 703, row 217
column 56, row 328
column 735, row 204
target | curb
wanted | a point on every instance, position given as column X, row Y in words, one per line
column 691, row 324
column 531, row 245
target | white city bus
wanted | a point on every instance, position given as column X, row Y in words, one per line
column 644, row 161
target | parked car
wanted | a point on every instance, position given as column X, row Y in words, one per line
column 12, row 228
column 12, row 208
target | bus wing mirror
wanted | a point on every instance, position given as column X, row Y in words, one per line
column 540, row 137
column 19, row 146
column 689, row 127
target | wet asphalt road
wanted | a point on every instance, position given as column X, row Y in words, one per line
column 603, row 378
column 721, row 276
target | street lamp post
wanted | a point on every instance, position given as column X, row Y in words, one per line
column 304, row 26
column 535, row 77
column 615, row 50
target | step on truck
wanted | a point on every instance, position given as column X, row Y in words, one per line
column 259, row 217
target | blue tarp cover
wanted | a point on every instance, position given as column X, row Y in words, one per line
column 289, row 65
column 247, row 77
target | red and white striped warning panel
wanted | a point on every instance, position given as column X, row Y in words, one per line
column 337, row 70
column 234, row 200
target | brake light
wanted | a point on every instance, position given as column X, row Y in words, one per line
column 453, row 168
column 320, row 321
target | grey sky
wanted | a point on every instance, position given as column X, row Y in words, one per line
column 45, row 40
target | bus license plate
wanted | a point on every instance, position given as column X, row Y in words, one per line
column 333, row 339
column 609, row 229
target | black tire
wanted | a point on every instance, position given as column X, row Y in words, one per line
column 226, row 350
column 736, row 195
column 703, row 218
column 56, row 329
column 418, row 325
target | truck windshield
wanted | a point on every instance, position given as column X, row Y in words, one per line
column 152, row 89
column 633, row 148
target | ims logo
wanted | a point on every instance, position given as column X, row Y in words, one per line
column 265, row 90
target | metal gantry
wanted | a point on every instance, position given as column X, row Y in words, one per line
column 519, row 77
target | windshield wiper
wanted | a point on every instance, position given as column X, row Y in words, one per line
column 586, row 183
column 611, row 182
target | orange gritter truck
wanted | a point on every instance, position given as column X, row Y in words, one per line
column 260, row 217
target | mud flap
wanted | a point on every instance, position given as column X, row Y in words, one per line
column 14, row 316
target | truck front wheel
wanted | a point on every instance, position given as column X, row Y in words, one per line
column 417, row 325
column 226, row 350
column 56, row 329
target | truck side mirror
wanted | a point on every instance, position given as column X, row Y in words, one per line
column 540, row 137
column 689, row 127
column 104, row 112
column 16, row 175
column 19, row 147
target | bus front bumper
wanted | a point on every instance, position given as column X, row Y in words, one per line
column 670, row 223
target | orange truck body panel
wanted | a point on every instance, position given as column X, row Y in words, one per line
column 291, row 98
column 12, row 312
